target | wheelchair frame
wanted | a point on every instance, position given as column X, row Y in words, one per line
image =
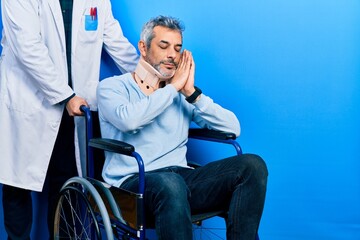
column 104, row 208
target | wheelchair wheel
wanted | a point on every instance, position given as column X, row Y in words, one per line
column 209, row 230
column 74, row 216
column 204, row 233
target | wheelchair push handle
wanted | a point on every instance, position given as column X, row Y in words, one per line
column 84, row 109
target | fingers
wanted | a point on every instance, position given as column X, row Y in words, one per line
column 192, row 65
column 192, row 69
column 73, row 106
column 182, row 71
column 186, row 60
column 188, row 88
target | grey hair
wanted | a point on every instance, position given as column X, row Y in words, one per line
column 147, row 33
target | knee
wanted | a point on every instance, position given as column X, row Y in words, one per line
column 171, row 190
column 257, row 168
column 257, row 164
column 252, row 166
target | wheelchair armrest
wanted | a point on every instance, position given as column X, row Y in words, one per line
column 112, row 145
column 204, row 133
column 120, row 147
column 215, row 136
column 193, row 164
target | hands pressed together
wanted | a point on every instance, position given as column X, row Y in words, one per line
column 184, row 77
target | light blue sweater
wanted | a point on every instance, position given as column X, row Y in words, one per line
column 156, row 125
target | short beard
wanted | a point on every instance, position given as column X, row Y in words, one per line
column 158, row 67
column 165, row 75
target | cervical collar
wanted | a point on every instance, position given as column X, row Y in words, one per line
column 149, row 74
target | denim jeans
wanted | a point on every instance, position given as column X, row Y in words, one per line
column 236, row 184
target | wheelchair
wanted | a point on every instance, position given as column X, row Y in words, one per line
column 89, row 208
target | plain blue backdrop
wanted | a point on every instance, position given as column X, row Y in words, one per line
column 290, row 70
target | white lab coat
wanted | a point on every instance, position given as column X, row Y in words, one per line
column 33, row 79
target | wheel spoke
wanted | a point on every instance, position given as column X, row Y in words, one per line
column 74, row 218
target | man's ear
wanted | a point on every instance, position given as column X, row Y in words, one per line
column 142, row 48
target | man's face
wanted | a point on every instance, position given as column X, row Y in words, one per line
column 165, row 50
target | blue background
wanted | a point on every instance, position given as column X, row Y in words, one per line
column 290, row 70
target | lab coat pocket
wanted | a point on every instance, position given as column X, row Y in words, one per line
column 91, row 23
column 89, row 31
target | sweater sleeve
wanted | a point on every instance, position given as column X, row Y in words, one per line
column 208, row 114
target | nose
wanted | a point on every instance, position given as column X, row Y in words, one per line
column 172, row 53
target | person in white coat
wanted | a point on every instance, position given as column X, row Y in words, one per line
column 49, row 67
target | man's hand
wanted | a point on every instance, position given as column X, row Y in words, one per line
column 188, row 88
column 73, row 106
column 182, row 72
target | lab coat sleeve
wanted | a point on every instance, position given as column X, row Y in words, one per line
column 117, row 45
column 22, row 28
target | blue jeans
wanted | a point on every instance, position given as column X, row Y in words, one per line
column 236, row 184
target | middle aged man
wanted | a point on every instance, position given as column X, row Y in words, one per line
column 152, row 109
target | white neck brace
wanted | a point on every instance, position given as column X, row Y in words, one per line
column 149, row 74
